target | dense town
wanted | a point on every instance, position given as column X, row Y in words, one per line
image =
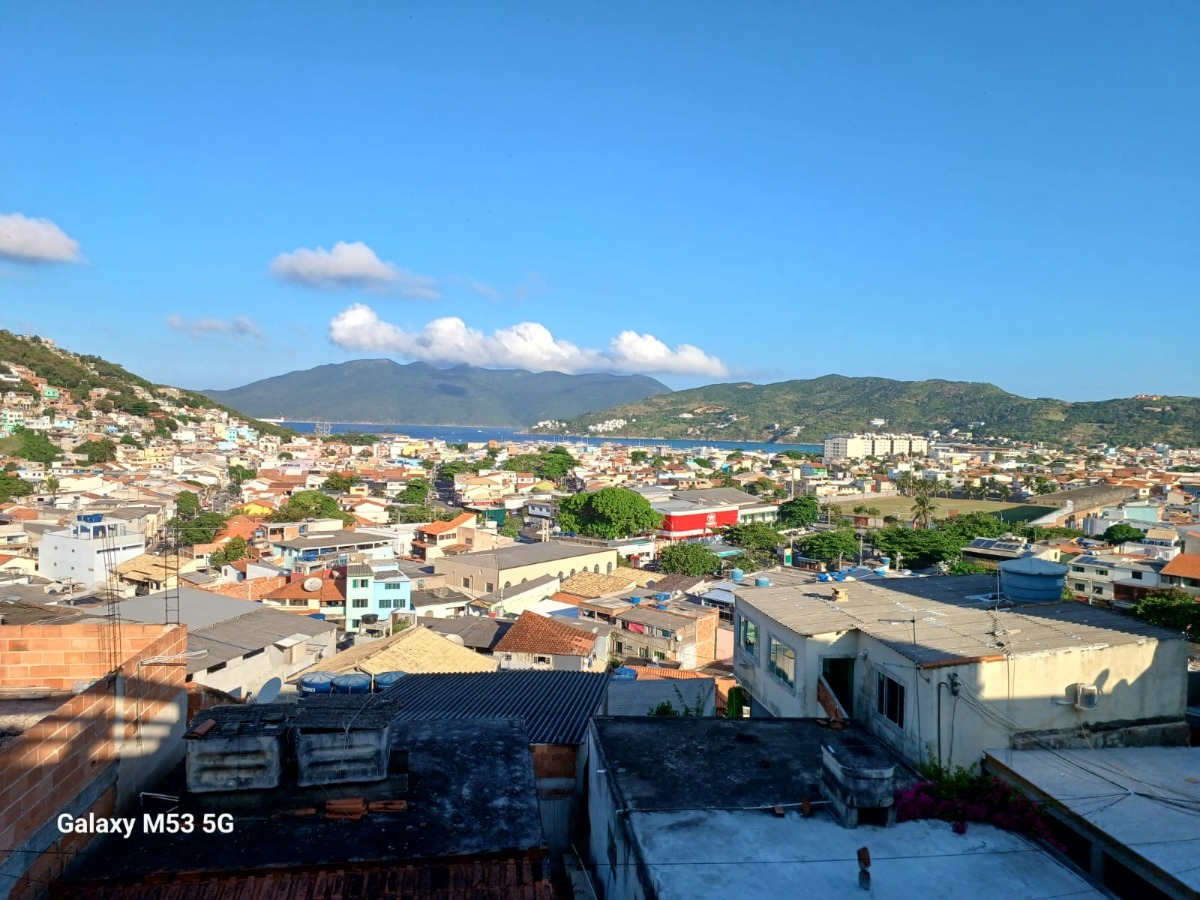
column 912, row 635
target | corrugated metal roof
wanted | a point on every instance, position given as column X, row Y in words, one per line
column 555, row 706
column 252, row 631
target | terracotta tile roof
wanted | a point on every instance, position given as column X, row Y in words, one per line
column 539, row 634
column 1185, row 565
column 414, row 650
column 254, row 589
column 331, row 589
column 443, row 527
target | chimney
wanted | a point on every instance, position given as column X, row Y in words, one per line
column 840, row 595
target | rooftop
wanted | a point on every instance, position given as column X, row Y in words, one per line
column 470, row 792
column 475, row 632
column 953, row 623
column 1144, row 798
column 339, row 538
column 533, row 633
column 413, row 650
column 555, row 706
column 520, row 555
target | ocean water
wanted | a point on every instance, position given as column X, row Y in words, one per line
column 463, row 434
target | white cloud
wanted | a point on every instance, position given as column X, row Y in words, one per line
column 527, row 345
column 35, row 241
column 350, row 265
column 238, row 327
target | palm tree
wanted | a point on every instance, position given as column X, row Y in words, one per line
column 923, row 508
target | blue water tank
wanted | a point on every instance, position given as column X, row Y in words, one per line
column 762, row 582
column 635, row 600
column 385, row 680
column 881, row 572
column 624, row 673
column 737, row 575
column 1032, row 580
column 660, row 606
column 91, row 517
column 352, row 683
column 823, row 577
column 317, row 683
column 886, row 561
column 320, row 616
column 662, row 597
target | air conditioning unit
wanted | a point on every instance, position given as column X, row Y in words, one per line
column 1087, row 696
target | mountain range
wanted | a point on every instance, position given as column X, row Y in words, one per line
column 805, row 411
column 383, row 391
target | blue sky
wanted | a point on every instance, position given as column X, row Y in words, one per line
column 703, row 192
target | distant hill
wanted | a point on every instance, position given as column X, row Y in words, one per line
column 383, row 391
column 125, row 392
column 806, row 411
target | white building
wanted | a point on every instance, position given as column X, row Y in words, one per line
column 860, row 446
column 86, row 551
column 931, row 666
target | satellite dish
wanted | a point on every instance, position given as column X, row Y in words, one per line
column 269, row 691
column 311, row 584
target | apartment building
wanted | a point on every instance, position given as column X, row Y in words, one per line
column 860, row 446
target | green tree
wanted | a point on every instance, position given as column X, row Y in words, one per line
column 798, row 513
column 100, row 451
column 286, row 455
column 200, row 529
column 688, row 559
column 234, row 549
column 918, row 548
column 52, row 486
column 340, row 482
column 310, row 505
column 967, row 567
column 35, row 446
column 1170, row 608
column 830, row 546
column 1122, row 534
column 754, row 536
column 130, row 441
column 639, row 457
column 11, row 486
column 239, row 474
column 608, row 513
column 187, row 505
column 415, row 492
column 833, row 514
column 922, row 509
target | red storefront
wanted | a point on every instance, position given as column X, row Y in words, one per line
column 682, row 526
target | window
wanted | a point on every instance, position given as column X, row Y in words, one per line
column 488, row 587
column 889, row 700
column 747, row 636
column 619, row 646
column 1098, row 590
column 644, row 652
column 360, row 603
column 1078, row 569
column 1137, row 575
column 781, row 661
column 354, row 623
column 359, row 582
column 663, row 632
column 392, row 586
column 658, row 654
column 1080, row 586
column 541, row 660
column 466, row 582
column 385, row 602
column 1102, row 571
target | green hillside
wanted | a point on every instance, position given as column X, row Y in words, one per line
column 808, row 410
column 383, row 391
column 79, row 374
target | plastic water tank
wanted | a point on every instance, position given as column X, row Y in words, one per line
column 352, row 683
column 385, row 680
column 762, row 582
column 317, row 683
column 823, row 577
column 885, row 560
column 635, row 600
column 662, row 597
column 624, row 673
column 881, row 572
column 737, row 575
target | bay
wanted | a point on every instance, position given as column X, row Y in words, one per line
column 464, row 434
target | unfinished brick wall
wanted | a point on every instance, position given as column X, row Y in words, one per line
column 73, row 751
column 706, row 639
column 553, row 760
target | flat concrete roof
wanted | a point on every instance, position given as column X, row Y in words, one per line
column 952, row 623
column 519, row 555
column 1144, row 798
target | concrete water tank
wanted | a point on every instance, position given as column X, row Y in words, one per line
column 1032, row 580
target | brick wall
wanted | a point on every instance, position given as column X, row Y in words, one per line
column 67, row 761
column 553, row 760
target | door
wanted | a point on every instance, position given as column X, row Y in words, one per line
column 838, row 672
